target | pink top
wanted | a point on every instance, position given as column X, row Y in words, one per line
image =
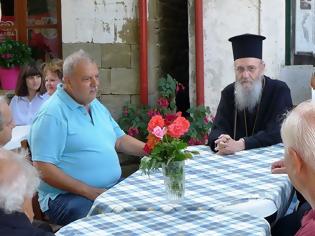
column 308, row 225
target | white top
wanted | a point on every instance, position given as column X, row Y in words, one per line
column 19, row 133
column 24, row 110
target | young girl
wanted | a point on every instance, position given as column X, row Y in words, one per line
column 29, row 95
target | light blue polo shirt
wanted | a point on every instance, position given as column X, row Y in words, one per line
column 83, row 147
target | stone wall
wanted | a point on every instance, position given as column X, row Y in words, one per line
column 108, row 31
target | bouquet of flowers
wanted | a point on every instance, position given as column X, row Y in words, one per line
column 163, row 142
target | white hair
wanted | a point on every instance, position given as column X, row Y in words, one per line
column 73, row 59
column 298, row 132
column 245, row 98
column 18, row 179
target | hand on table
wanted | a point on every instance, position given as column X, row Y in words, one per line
column 278, row 167
column 226, row 145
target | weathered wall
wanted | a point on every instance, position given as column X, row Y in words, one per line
column 224, row 19
column 108, row 31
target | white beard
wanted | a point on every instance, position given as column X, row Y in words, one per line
column 248, row 98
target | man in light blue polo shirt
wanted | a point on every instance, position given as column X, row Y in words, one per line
column 74, row 141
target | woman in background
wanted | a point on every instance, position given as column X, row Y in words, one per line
column 53, row 75
column 29, row 95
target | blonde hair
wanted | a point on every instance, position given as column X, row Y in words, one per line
column 55, row 66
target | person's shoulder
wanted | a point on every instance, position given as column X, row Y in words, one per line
column 276, row 83
column 229, row 89
column 14, row 99
column 52, row 106
column 43, row 96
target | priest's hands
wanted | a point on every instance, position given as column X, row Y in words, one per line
column 226, row 145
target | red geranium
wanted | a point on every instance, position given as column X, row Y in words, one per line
column 165, row 130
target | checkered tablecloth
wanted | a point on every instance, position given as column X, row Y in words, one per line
column 175, row 223
column 212, row 182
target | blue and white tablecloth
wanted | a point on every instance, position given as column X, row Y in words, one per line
column 175, row 223
column 212, row 183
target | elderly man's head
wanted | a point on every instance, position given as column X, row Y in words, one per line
column 249, row 69
column 81, row 77
column 298, row 135
column 18, row 182
column 6, row 122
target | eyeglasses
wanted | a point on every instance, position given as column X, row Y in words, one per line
column 241, row 69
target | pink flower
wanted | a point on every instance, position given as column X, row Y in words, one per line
column 133, row 131
column 159, row 132
column 6, row 55
column 155, row 121
column 163, row 102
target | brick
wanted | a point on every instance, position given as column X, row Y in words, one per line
column 115, row 103
column 134, row 56
column 93, row 49
column 104, row 87
column 116, row 55
column 124, row 81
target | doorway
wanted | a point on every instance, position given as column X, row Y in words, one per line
column 175, row 46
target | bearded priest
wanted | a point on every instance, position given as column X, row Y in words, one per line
column 251, row 109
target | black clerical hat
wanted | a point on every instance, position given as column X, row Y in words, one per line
column 247, row 45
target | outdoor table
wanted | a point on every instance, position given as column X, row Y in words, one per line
column 19, row 133
column 240, row 182
column 176, row 223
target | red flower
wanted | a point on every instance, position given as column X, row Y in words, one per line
column 169, row 118
column 125, row 111
column 152, row 112
column 133, row 131
column 152, row 141
column 180, row 87
column 193, row 141
column 147, row 149
column 179, row 127
column 156, row 120
column 163, row 102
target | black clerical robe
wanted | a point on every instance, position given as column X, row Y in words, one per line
column 263, row 124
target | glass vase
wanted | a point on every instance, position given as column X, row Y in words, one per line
column 174, row 180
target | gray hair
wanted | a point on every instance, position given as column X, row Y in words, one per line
column 298, row 132
column 73, row 59
column 18, row 179
column 2, row 100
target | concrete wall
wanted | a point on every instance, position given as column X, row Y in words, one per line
column 108, row 31
column 224, row 19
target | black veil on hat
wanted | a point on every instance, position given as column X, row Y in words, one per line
column 247, row 45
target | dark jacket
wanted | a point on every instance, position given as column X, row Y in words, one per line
column 18, row 224
column 275, row 102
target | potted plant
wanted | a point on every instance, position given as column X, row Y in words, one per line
column 13, row 54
